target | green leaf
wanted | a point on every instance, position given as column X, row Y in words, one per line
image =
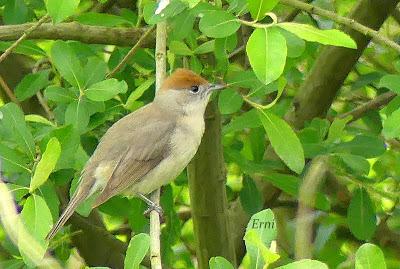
column 258, row 8
column 102, row 19
column 284, row 141
column 182, row 25
column 267, row 52
column 106, row 89
column 138, row 92
column 180, row 48
column 250, row 196
column 370, row 256
column 336, row 130
column 361, row 216
column 31, row 84
column 173, row 9
column 295, row 45
column 37, row 219
column 137, row 249
column 59, row 10
column 229, row 101
column 26, row 47
column 363, row 145
column 38, row 119
column 77, row 114
column 13, row 160
column 67, row 63
column 46, row 164
column 252, row 239
column 13, row 121
column 305, row 264
column 356, row 163
column 327, row 37
column 218, row 24
column 94, row 71
column 391, row 126
column 15, row 12
column 219, row 263
column 206, row 47
column 59, row 95
column 392, row 82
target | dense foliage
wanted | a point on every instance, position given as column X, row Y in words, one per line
column 320, row 187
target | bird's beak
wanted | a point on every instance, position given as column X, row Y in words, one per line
column 216, row 87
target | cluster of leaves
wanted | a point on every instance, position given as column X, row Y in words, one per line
column 41, row 155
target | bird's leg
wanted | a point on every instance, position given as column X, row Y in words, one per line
column 152, row 205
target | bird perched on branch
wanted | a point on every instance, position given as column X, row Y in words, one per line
column 147, row 148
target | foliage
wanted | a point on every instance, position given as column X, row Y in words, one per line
column 69, row 101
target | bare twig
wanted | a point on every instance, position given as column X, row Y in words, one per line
column 39, row 95
column 374, row 104
column 155, row 229
column 75, row 31
column 307, row 193
column 23, row 36
column 8, row 91
column 131, row 52
column 377, row 38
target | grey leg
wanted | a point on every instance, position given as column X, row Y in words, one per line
column 151, row 204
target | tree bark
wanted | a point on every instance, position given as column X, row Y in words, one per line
column 207, row 178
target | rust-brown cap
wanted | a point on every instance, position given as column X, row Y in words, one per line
column 182, row 79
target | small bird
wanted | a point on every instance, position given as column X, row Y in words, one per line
column 147, row 148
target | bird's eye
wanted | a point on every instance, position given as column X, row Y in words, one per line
column 194, row 89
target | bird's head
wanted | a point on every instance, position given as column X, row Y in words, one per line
column 186, row 91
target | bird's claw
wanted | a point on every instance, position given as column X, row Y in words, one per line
column 154, row 207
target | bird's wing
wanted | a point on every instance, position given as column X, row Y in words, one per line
column 129, row 151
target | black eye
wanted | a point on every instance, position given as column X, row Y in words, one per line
column 194, row 89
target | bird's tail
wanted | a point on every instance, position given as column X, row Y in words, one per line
column 72, row 205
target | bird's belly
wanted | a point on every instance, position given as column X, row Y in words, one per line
column 183, row 148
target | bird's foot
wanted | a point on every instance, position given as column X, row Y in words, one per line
column 152, row 207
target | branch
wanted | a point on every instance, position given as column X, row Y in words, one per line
column 23, row 37
column 351, row 23
column 374, row 104
column 155, row 229
column 8, row 91
column 307, row 193
column 131, row 52
column 75, row 31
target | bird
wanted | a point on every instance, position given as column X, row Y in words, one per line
column 147, row 148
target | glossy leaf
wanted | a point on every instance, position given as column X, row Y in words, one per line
column 392, row 82
column 284, row 140
column 219, row 263
column 59, row 10
column 106, row 89
column 59, row 95
column 218, row 24
column 250, row 196
column 139, row 91
column 370, row 256
column 138, row 247
column 305, row 264
column 327, row 37
column 46, row 164
column 391, row 126
column 267, row 52
column 258, row 8
column 77, row 114
column 229, row 101
column 31, row 84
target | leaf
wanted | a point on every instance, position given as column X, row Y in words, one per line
column 31, row 84
column 102, row 19
column 370, row 256
column 284, row 140
column 267, row 52
column 182, row 25
column 77, row 115
column 138, row 92
column 38, row 119
column 356, row 163
column 37, row 219
column 391, row 126
column 327, row 37
column 305, row 264
column 67, row 63
column 363, row 145
column 249, row 119
column 180, row 48
column 361, row 216
column 46, row 164
column 13, row 160
column 252, row 239
column 218, row 24
column 206, row 47
column 229, row 101
column 94, row 71
column 13, row 121
column 106, row 89
column 15, row 12
column 258, row 8
column 250, row 196
column 219, row 263
column 336, row 130
column 59, row 10
column 26, row 47
column 392, row 82
column 137, row 249
column 173, row 9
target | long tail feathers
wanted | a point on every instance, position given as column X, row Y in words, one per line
column 73, row 204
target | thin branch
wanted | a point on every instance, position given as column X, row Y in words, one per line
column 377, row 38
column 23, row 37
column 131, row 52
column 374, row 104
column 307, row 195
column 8, row 91
column 75, row 31
column 292, row 15
column 39, row 95
column 155, row 229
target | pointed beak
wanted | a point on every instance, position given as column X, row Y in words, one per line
column 216, row 87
